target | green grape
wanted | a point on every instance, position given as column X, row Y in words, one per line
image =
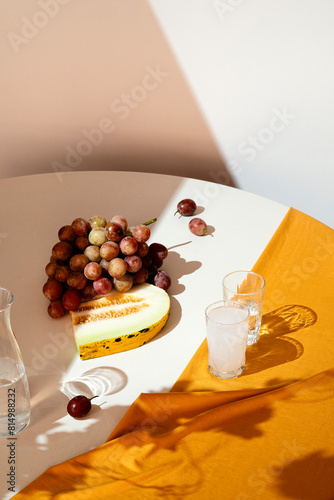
column 92, row 252
column 97, row 221
column 97, row 236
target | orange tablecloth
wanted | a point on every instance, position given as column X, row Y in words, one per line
column 267, row 434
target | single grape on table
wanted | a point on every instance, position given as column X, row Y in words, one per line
column 186, row 207
column 79, row 406
column 198, row 226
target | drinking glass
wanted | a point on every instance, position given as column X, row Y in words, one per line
column 227, row 330
column 246, row 287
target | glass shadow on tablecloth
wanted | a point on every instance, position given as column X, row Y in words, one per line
column 102, row 380
column 276, row 346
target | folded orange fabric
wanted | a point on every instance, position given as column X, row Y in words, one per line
column 267, row 434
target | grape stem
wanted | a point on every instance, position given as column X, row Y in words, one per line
column 130, row 229
column 150, row 222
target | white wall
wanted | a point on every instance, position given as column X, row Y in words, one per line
column 262, row 74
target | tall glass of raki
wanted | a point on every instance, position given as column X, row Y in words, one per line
column 14, row 389
column 227, row 331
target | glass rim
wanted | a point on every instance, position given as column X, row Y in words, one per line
column 227, row 303
column 10, row 298
column 248, row 272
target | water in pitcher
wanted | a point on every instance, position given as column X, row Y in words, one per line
column 14, row 398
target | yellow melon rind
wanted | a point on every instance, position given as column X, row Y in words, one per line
column 122, row 343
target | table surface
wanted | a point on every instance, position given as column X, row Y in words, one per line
column 33, row 208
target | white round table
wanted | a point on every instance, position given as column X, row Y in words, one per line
column 33, row 208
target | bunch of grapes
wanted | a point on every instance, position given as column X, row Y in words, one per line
column 94, row 256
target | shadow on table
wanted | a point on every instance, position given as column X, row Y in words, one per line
column 177, row 267
column 274, row 347
column 294, row 482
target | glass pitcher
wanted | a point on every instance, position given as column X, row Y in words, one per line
column 14, row 389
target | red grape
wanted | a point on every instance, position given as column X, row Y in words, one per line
column 67, row 233
column 92, row 270
column 62, row 272
column 147, row 260
column 104, row 264
column 128, row 245
column 56, row 309
column 157, row 262
column 142, row 249
column 93, row 253
column 51, row 268
column 102, row 286
column 52, row 289
column 82, row 242
column 134, row 263
column 124, row 283
column 88, row 293
column 158, row 251
column 79, row 406
column 162, row 280
column 77, row 280
column 121, row 221
column 114, row 231
column 78, row 262
column 198, row 226
column 109, row 250
column 141, row 233
column 117, row 268
column 186, row 207
column 140, row 276
column 81, row 226
column 62, row 250
column 71, row 300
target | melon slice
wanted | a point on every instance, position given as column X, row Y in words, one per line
column 120, row 321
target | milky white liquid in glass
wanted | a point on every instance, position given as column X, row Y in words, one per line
column 227, row 333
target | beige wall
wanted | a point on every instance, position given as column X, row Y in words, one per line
column 93, row 85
